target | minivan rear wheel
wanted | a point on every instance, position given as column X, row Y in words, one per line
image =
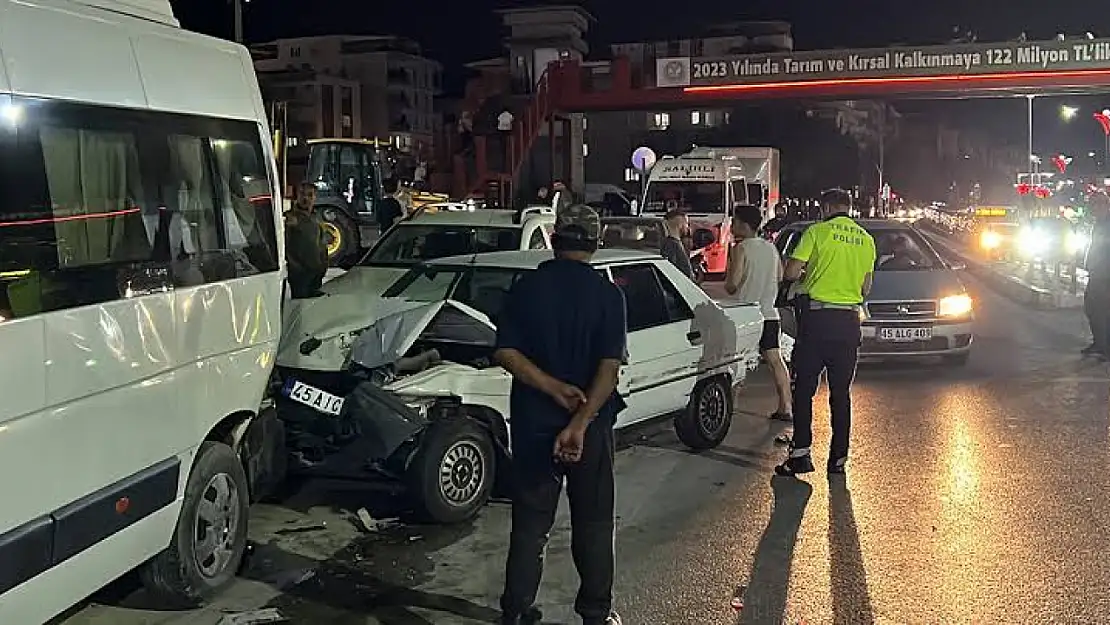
column 211, row 535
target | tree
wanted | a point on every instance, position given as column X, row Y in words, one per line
column 869, row 124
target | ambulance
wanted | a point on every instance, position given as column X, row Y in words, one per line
column 707, row 189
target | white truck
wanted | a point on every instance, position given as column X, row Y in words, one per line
column 760, row 167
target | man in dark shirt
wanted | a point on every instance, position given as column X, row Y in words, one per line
column 306, row 250
column 561, row 334
column 1096, row 299
column 389, row 208
column 677, row 224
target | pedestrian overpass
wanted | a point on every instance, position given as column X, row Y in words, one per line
column 998, row 69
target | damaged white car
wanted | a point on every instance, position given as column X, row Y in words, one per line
column 414, row 393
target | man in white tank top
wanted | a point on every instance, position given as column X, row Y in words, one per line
column 753, row 276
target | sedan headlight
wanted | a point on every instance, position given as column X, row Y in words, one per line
column 990, row 240
column 954, row 306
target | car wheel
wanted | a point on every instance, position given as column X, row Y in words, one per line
column 707, row 418
column 957, row 360
column 453, row 473
column 211, row 535
column 342, row 237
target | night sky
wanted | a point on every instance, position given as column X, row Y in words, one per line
column 459, row 31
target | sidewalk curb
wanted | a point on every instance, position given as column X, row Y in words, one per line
column 1010, row 286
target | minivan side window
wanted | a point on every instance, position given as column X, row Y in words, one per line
column 102, row 204
column 650, row 300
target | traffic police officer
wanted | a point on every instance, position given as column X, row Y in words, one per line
column 306, row 249
column 838, row 258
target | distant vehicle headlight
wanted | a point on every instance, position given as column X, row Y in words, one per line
column 1032, row 242
column 990, row 240
column 954, row 306
column 1078, row 242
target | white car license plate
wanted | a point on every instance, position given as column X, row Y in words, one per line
column 314, row 398
column 905, row 335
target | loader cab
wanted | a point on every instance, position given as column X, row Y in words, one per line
column 348, row 175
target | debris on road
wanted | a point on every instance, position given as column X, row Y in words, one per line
column 254, row 617
column 316, row 527
column 369, row 524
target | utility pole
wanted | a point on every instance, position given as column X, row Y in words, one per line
column 237, row 7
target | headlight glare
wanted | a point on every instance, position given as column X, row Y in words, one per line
column 954, row 306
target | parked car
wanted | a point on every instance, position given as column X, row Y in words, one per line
column 442, row 422
column 348, row 298
column 918, row 305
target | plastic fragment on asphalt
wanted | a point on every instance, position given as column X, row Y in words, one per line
column 254, row 617
column 737, row 602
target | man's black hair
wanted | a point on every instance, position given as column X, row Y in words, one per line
column 750, row 215
column 674, row 212
column 389, row 185
column 573, row 239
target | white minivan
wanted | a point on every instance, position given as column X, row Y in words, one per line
column 140, row 295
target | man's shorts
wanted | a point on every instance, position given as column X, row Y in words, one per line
column 770, row 338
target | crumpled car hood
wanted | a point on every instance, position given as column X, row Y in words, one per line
column 350, row 302
column 392, row 336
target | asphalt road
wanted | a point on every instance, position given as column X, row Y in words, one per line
column 974, row 495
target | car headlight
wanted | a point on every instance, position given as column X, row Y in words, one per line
column 1078, row 242
column 1032, row 242
column 954, row 306
column 990, row 240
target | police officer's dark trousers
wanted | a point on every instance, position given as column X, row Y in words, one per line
column 1096, row 305
column 828, row 342
column 538, row 482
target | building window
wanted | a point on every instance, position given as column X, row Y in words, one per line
column 695, row 118
column 295, row 52
column 585, row 126
column 585, row 150
column 631, row 175
column 661, row 121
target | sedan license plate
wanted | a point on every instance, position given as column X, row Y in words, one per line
column 313, row 397
column 905, row 335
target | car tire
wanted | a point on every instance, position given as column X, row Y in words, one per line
column 216, row 504
column 452, row 475
column 957, row 360
column 345, row 235
column 706, row 420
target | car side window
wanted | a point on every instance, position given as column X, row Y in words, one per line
column 537, row 240
column 788, row 241
column 648, row 302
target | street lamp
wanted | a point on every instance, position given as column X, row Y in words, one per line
column 1067, row 113
column 237, row 7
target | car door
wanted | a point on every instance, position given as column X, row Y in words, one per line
column 662, row 350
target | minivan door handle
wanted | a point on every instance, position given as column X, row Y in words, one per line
column 693, row 336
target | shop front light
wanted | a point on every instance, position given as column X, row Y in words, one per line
column 954, row 306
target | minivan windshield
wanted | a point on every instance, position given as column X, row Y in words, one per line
column 407, row 244
column 691, row 197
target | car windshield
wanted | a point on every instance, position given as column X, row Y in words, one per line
column 425, row 283
column 903, row 250
column 895, row 250
column 411, row 243
column 691, row 197
column 632, row 235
